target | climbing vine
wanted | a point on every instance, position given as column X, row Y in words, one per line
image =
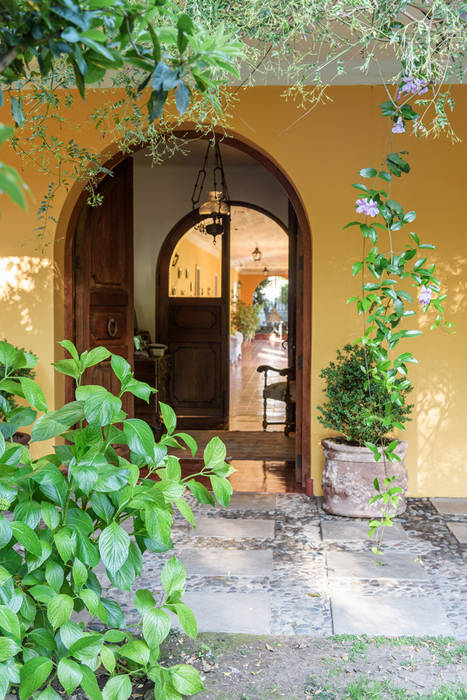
column 393, row 270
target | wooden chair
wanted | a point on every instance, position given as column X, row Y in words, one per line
column 284, row 390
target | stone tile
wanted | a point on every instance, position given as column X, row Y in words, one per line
column 396, row 565
column 345, row 531
column 229, row 528
column 227, row 562
column 253, row 501
column 388, row 615
column 453, row 506
column 459, row 530
column 235, row 613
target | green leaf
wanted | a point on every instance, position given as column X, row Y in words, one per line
column 367, row 172
column 117, row 688
column 189, row 441
column 200, row 492
column 144, row 600
column 100, row 406
column 114, row 544
column 140, row 389
column 182, row 98
column 69, row 674
column 56, row 422
column 168, row 416
column 184, row 26
column 33, row 394
column 8, row 648
column 215, row 452
column 89, row 683
column 185, row 510
column 79, row 573
column 27, row 537
column 186, row 679
column 17, row 111
column 9, row 622
column 54, row 575
column 33, row 674
column 5, row 531
column 186, row 617
column 49, row 694
column 68, row 367
column 68, row 345
column 121, row 367
column 136, row 651
column 140, row 437
column 173, row 576
column 222, row 489
column 59, row 610
column 87, row 648
column 356, row 268
column 64, row 544
column 156, row 626
column 28, row 512
column 108, row 659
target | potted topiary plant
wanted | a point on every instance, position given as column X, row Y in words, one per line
column 245, row 319
column 15, row 365
column 358, row 410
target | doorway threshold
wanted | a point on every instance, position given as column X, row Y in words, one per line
column 246, row 444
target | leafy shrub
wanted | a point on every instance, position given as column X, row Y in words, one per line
column 360, row 412
column 66, row 516
column 15, row 363
column 245, row 319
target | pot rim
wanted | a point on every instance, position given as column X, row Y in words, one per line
column 331, row 443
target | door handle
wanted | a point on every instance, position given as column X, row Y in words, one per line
column 112, row 327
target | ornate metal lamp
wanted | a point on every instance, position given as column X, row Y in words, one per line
column 214, row 212
column 257, row 254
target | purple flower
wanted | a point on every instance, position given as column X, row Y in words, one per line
column 399, row 126
column 412, row 86
column 425, row 296
column 367, row 206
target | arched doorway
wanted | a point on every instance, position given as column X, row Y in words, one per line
column 298, row 223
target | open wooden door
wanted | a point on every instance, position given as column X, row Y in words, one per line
column 196, row 331
column 103, row 277
column 294, row 310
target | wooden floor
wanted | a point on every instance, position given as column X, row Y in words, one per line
column 260, row 476
column 248, row 444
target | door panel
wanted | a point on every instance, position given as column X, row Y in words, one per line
column 103, row 276
column 196, row 331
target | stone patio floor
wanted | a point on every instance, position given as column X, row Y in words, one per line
column 277, row 564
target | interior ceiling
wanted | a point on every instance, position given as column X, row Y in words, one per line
column 248, row 229
column 191, row 153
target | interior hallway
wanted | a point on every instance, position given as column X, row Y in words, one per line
column 246, row 386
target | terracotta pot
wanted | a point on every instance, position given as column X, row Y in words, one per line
column 348, row 477
column 22, row 438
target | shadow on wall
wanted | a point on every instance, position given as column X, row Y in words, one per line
column 440, row 395
column 24, row 282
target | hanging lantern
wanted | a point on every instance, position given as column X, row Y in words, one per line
column 256, row 254
column 215, row 211
column 265, row 271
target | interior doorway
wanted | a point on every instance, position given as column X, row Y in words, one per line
column 220, row 288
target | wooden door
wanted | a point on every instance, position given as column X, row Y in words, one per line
column 196, row 331
column 103, row 277
column 295, row 339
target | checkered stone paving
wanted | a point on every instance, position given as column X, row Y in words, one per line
column 304, row 566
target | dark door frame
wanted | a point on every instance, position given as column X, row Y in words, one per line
column 163, row 306
column 304, row 282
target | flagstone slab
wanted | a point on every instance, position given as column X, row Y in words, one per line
column 235, row 613
column 396, row 565
column 229, row 528
column 388, row 615
column 227, row 562
column 253, row 501
column 450, row 506
column 459, row 530
column 344, row 531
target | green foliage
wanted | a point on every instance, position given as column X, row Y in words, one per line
column 355, row 407
column 16, row 364
column 82, row 506
column 245, row 319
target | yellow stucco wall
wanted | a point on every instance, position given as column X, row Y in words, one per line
column 321, row 154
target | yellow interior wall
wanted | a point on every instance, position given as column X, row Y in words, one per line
column 321, row 154
column 249, row 284
column 191, row 256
